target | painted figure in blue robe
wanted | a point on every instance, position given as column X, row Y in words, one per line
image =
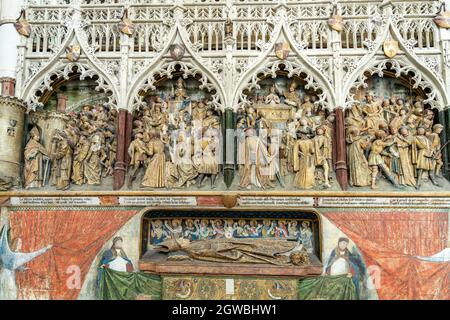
column 341, row 261
column 116, row 258
column 241, row 230
column 12, row 260
column 306, row 236
column 157, row 232
column 205, row 231
column 191, row 230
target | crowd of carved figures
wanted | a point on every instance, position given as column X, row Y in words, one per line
column 176, row 141
column 396, row 138
column 284, row 138
column 282, row 135
column 82, row 153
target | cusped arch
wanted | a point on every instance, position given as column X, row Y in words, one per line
column 60, row 67
column 166, row 71
column 63, row 70
column 164, row 65
column 405, row 63
column 295, row 64
column 400, row 67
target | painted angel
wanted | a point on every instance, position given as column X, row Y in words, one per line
column 12, row 261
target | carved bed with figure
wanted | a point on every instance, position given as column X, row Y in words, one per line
column 251, row 243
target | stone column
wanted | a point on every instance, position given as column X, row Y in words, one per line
column 62, row 103
column 229, row 148
column 9, row 37
column 120, row 168
column 339, row 145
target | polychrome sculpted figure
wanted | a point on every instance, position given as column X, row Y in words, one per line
column 435, row 138
column 187, row 173
column 373, row 113
column 405, row 170
column 272, row 98
column 256, row 159
column 291, row 95
column 322, row 154
column 359, row 172
column 423, row 157
column 79, row 156
column 223, row 250
column 155, row 174
column 307, row 107
column 304, row 167
column 138, row 155
column 36, row 161
column 376, row 161
column 93, row 162
column 180, row 94
column 62, row 161
column 111, row 154
column 209, row 163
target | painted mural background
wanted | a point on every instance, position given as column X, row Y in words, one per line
column 392, row 249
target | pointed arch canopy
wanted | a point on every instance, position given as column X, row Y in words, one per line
column 163, row 65
column 404, row 64
column 63, row 70
column 400, row 68
column 88, row 67
column 295, row 64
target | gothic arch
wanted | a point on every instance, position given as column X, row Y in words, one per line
column 296, row 63
column 164, row 65
column 401, row 67
column 88, row 66
column 405, row 62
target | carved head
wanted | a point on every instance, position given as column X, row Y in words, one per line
column 299, row 258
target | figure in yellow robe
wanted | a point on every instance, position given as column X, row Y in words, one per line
column 403, row 142
column 93, row 164
column 304, row 163
column 359, row 172
column 155, row 174
column 79, row 156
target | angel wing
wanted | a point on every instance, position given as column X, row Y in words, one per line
column 5, row 251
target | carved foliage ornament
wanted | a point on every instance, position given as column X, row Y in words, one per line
column 442, row 19
column 22, row 25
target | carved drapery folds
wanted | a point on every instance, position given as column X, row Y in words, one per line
column 229, row 51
